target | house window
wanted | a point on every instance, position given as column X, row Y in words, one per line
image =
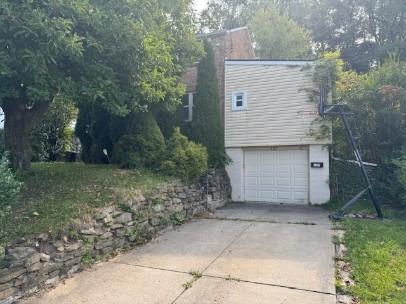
column 188, row 107
column 239, row 101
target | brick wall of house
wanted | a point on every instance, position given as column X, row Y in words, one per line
column 230, row 44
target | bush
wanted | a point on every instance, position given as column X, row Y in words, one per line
column 142, row 146
column 184, row 159
column 400, row 163
column 9, row 186
column 52, row 137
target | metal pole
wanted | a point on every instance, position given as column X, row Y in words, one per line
column 361, row 164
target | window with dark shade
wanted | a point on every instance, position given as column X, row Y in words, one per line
column 239, row 101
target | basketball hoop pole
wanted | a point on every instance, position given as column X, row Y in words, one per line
column 344, row 113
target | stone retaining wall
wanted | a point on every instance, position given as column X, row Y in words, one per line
column 43, row 260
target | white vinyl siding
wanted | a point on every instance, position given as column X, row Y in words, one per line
column 278, row 106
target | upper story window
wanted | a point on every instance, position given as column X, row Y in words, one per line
column 239, row 101
column 188, row 106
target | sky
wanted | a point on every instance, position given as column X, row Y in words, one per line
column 200, row 4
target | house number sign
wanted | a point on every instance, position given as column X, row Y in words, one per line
column 317, row 164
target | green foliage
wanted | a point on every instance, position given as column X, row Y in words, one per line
column 142, row 145
column 366, row 32
column 400, row 163
column 344, row 25
column 223, row 14
column 276, row 36
column 206, row 127
column 377, row 254
column 326, row 73
column 184, row 159
column 378, row 99
column 121, row 55
column 9, row 186
column 51, row 137
column 87, row 259
column 62, row 192
column 178, row 218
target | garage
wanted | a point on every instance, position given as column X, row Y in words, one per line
column 276, row 176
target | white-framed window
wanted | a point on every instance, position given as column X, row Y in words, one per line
column 239, row 101
column 188, row 107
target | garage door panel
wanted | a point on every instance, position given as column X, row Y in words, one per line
column 251, row 195
column 302, row 196
column 267, row 196
column 267, row 181
column 252, row 181
column 283, row 196
column 276, row 176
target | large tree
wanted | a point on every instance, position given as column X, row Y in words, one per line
column 223, row 14
column 123, row 55
column 276, row 36
column 228, row 14
column 367, row 32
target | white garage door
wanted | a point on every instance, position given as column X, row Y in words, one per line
column 279, row 176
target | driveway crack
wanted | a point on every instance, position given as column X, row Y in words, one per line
column 216, row 258
column 257, row 220
column 228, row 246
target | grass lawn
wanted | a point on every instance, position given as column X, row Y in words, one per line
column 377, row 254
column 56, row 193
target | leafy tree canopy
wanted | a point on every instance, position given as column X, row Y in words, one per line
column 278, row 37
column 365, row 31
column 378, row 99
column 124, row 55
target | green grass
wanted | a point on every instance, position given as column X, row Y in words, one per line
column 377, row 253
column 56, row 193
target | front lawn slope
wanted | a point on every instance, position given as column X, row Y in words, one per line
column 56, row 193
column 377, row 254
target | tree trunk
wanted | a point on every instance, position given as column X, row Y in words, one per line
column 19, row 122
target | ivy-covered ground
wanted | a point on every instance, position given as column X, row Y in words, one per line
column 56, row 193
column 377, row 254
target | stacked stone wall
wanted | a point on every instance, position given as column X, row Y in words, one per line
column 43, row 260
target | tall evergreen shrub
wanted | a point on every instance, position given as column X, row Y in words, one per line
column 206, row 127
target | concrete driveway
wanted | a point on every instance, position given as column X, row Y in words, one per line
column 244, row 253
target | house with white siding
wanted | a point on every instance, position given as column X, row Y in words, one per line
column 272, row 133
